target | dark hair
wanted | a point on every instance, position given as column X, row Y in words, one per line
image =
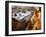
column 40, row 9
